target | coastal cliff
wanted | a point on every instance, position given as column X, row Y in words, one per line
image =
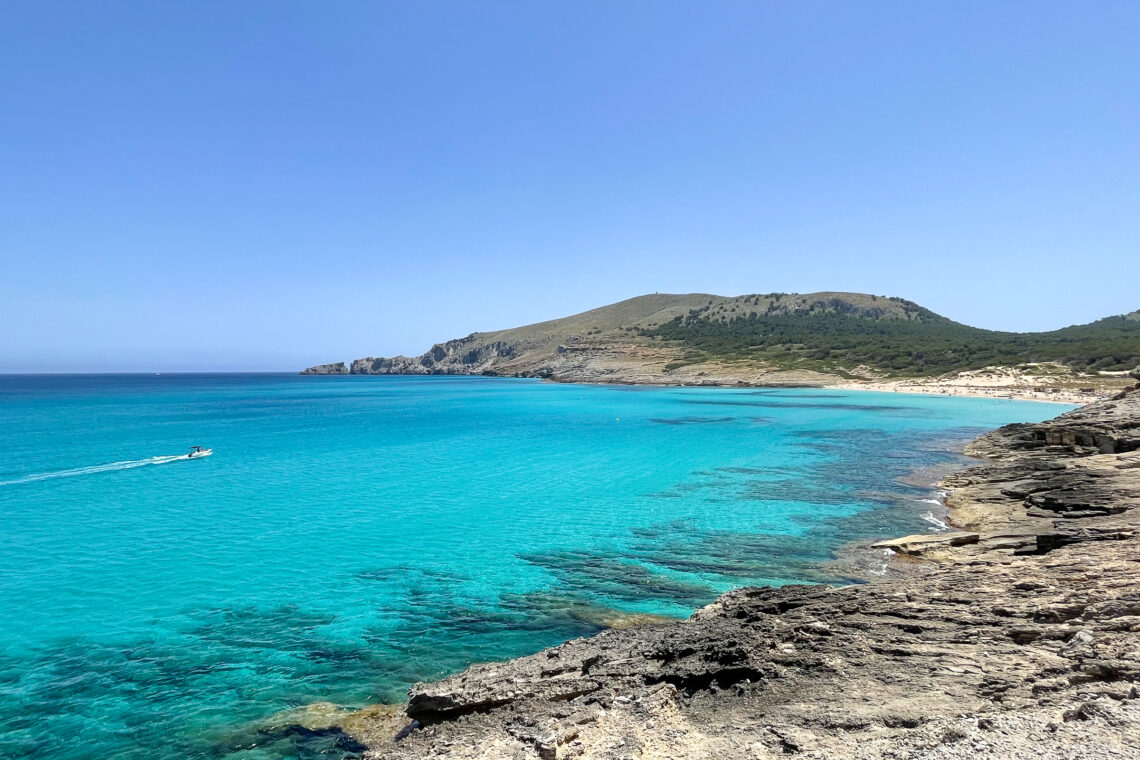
column 1018, row 636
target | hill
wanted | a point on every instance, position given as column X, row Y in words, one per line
column 775, row 337
column 837, row 333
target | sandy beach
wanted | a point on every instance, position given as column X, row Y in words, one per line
column 935, row 388
column 1003, row 383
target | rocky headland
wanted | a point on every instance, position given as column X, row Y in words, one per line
column 1017, row 636
column 849, row 340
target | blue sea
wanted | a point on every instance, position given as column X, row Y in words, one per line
column 352, row 535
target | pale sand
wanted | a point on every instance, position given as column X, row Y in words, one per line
column 936, row 388
column 1034, row 382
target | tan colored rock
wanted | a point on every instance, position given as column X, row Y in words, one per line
column 924, row 542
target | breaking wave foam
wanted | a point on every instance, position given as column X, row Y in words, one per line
column 939, row 525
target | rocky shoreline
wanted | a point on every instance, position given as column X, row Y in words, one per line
column 1016, row 636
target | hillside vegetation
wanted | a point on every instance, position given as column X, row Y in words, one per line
column 835, row 332
column 775, row 337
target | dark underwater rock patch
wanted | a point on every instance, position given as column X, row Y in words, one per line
column 403, row 572
column 595, row 575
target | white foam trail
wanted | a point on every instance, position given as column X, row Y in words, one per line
column 93, row 469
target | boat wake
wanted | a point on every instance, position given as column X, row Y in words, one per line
column 94, row 469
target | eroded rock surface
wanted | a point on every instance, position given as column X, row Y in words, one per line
column 1020, row 639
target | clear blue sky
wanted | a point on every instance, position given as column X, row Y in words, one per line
column 268, row 185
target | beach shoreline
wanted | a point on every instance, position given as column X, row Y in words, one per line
column 931, row 387
column 936, row 388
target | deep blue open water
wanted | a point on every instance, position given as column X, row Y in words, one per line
column 351, row 535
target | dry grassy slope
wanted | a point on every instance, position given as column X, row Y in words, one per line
column 605, row 322
column 607, row 344
column 624, row 318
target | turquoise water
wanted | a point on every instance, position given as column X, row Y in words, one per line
column 351, row 535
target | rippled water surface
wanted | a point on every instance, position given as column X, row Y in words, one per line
column 351, row 535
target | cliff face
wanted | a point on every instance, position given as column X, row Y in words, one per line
column 464, row 356
column 1019, row 639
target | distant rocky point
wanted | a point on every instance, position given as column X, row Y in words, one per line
column 339, row 368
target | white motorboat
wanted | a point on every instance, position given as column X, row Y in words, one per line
column 198, row 451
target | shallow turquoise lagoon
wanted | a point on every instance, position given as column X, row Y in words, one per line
column 351, row 535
